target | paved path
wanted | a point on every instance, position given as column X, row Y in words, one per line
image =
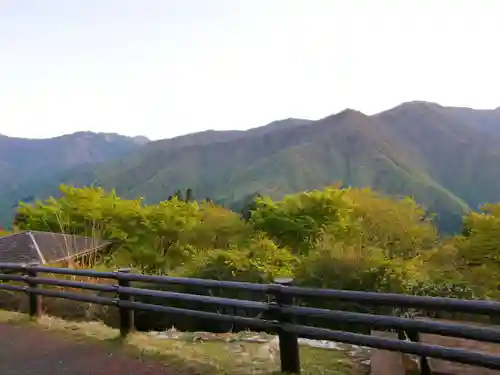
column 28, row 350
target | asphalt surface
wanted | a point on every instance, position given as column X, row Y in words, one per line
column 28, row 350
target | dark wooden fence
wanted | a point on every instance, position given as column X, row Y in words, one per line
column 281, row 310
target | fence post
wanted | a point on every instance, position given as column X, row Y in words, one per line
column 35, row 300
column 425, row 369
column 289, row 342
column 424, row 361
column 126, row 314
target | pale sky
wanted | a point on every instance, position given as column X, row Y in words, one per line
column 163, row 68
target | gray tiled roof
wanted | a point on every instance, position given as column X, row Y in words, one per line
column 18, row 248
column 45, row 247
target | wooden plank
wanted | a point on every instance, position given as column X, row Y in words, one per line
column 384, row 362
column 445, row 367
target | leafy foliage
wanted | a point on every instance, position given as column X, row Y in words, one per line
column 297, row 220
column 399, row 226
column 258, row 260
column 341, row 238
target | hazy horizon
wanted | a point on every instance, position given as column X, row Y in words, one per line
column 162, row 68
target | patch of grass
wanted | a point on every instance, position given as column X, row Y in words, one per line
column 189, row 355
column 12, row 317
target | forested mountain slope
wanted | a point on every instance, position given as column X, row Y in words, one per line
column 447, row 158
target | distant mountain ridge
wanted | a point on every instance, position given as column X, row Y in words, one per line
column 448, row 158
column 30, row 160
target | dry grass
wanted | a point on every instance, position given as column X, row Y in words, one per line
column 191, row 356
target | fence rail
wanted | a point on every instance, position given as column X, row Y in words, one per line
column 282, row 311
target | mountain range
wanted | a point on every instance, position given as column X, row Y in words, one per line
column 447, row 158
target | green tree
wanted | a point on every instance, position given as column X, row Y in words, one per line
column 189, row 195
column 296, row 220
column 477, row 254
column 249, row 205
column 145, row 234
column 217, row 228
column 178, row 195
column 399, row 226
column 256, row 260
